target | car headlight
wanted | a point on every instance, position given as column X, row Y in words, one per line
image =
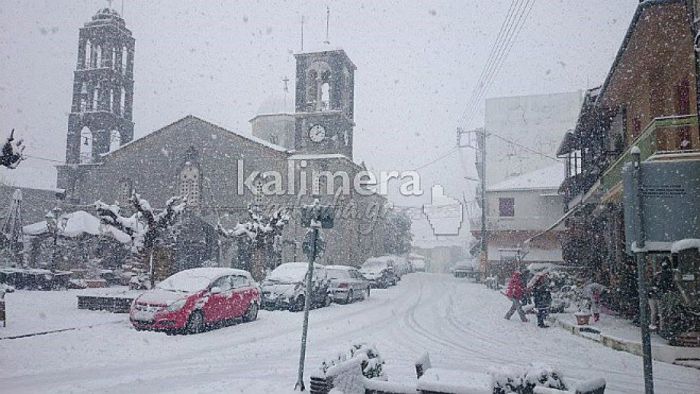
column 177, row 305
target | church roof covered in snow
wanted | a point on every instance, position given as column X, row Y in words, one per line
column 193, row 120
column 544, row 178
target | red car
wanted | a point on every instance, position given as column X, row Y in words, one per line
column 193, row 299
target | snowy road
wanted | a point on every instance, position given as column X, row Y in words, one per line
column 458, row 322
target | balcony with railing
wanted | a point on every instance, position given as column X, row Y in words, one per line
column 672, row 134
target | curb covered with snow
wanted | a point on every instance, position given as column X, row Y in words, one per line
column 664, row 353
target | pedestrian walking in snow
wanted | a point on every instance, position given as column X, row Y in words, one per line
column 662, row 283
column 593, row 292
column 515, row 292
column 538, row 287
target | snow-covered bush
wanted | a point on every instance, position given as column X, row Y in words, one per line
column 372, row 363
column 511, row 379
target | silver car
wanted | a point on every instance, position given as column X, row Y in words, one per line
column 346, row 284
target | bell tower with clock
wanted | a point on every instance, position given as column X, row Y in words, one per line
column 324, row 109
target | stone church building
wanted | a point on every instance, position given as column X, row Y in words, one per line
column 208, row 164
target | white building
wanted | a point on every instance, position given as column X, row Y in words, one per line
column 535, row 123
column 518, row 209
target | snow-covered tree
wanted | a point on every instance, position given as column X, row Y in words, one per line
column 147, row 228
column 257, row 235
column 397, row 235
column 11, row 154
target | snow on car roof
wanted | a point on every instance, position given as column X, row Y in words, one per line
column 215, row 272
column 340, row 267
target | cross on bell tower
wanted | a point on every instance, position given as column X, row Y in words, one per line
column 103, row 89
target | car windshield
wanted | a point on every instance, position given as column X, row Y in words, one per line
column 288, row 273
column 337, row 273
column 373, row 265
column 186, row 281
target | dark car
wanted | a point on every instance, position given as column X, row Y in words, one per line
column 380, row 272
column 284, row 287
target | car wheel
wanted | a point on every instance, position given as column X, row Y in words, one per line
column 298, row 305
column 252, row 312
column 195, row 324
column 350, row 297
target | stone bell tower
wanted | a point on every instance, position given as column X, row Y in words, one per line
column 103, row 89
column 324, row 117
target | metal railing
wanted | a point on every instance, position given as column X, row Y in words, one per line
column 662, row 134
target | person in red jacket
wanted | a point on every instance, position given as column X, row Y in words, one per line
column 515, row 292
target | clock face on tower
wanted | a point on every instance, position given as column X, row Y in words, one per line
column 317, row 133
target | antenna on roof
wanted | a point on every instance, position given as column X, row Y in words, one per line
column 328, row 18
column 302, row 33
column 285, row 80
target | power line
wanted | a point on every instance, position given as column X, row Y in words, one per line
column 446, row 154
column 512, row 25
column 511, row 142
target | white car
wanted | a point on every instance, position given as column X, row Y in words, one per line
column 379, row 271
column 347, row 284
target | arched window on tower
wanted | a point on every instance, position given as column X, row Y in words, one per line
column 85, row 145
column 312, row 92
column 88, row 54
column 98, row 56
column 325, row 91
column 190, row 183
column 122, row 102
column 95, row 102
column 115, row 140
column 83, row 98
column 113, row 52
column 111, row 100
column 125, row 54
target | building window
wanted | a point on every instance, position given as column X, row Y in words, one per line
column 506, row 207
column 189, row 184
column 259, row 192
column 124, row 192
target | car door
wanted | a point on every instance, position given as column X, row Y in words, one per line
column 320, row 287
column 241, row 295
column 216, row 307
column 357, row 282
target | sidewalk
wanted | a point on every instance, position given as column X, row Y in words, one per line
column 620, row 334
column 39, row 312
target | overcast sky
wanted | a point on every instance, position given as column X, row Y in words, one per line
column 417, row 63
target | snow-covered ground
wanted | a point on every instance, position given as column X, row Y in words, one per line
column 460, row 323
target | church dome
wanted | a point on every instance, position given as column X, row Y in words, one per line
column 276, row 104
column 107, row 15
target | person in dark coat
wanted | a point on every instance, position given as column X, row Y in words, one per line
column 539, row 288
column 515, row 292
column 662, row 283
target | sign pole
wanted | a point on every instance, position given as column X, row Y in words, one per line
column 641, row 274
column 307, row 304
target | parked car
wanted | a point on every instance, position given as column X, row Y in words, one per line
column 191, row 300
column 347, row 284
column 284, row 287
column 379, row 271
column 465, row 269
column 417, row 261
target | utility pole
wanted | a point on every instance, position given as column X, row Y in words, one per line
column 480, row 149
column 314, row 217
column 641, row 273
